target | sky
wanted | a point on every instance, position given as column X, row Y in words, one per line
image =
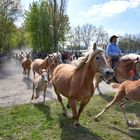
column 116, row 16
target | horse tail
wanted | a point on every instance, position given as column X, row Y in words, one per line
column 115, row 85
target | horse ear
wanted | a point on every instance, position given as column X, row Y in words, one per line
column 137, row 58
column 94, row 46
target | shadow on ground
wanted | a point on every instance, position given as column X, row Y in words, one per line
column 69, row 132
column 28, row 82
column 44, row 108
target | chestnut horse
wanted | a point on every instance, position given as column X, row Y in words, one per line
column 26, row 65
column 127, row 91
column 122, row 69
column 76, row 82
column 39, row 64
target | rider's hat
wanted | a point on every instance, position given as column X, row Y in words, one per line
column 111, row 38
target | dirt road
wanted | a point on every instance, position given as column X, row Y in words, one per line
column 15, row 88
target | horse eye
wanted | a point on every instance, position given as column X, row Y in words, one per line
column 97, row 57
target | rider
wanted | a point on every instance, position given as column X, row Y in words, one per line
column 113, row 51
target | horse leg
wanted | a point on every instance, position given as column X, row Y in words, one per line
column 27, row 73
column 128, row 122
column 72, row 104
column 34, row 73
column 44, row 95
column 24, row 71
column 61, row 102
column 82, row 105
column 98, row 80
column 97, row 86
column 32, row 97
column 118, row 97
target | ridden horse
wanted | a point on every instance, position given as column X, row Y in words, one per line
column 76, row 82
column 122, row 69
column 26, row 65
column 39, row 64
column 40, row 83
column 127, row 91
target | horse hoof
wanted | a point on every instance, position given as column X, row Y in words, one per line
column 68, row 106
column 64, row 113
column 76, row 124
column 96, row 119
column 31, row 101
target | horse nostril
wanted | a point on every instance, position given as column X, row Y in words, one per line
column 109, row 73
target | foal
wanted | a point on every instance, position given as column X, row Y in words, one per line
column 40, row 83
column 127, row 91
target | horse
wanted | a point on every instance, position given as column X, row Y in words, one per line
column 57, row 59
column 127, row 91
column 76, row 82
column 40, row 83
column 39, row 64
column 21, row 56
column 122, row 70
column 26, row 64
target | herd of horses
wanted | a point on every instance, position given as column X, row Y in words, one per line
column 75, row 82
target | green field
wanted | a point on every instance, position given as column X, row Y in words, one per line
column 45, row 122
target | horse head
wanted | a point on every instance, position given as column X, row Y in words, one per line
column 99, row 63
column 44, row 75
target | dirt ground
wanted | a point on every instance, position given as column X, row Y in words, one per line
column 16, row 88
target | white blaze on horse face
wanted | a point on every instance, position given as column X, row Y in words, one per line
column 45, row 78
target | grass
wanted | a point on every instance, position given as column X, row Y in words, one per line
column 45, row 122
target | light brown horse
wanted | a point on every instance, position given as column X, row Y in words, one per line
column 40, row 83
column 122, row 69
column 127, row 91
column 26, row 65
column 39, row 64
column 76, row 82
column 56, row 61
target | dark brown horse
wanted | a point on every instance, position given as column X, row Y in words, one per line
column 122, row 69
column 76, row 82
column 26, row 65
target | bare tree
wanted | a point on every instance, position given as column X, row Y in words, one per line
column 88, row 32
column 101, row 36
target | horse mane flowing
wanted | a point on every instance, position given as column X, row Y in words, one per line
column 81, row 62
column 130, row 56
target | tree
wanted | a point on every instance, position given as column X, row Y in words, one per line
column 47, row 25
column 59, row 21
column 88, row 32
column 130, row 43
column 8, row 14
column 101, row 36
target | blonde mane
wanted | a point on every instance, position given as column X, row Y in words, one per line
column 130, row 56
column 81, row 62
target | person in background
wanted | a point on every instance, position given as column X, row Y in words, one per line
column 113, row 51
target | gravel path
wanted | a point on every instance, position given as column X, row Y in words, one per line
column 15, row 88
